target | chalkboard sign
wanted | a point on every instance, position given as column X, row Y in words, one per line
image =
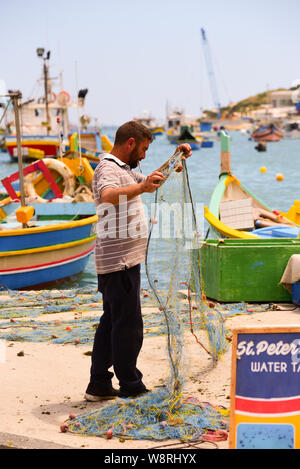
column 265, row 388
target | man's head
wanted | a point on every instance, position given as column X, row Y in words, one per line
column 132, row 140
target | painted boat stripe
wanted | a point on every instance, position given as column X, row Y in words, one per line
column 48, row 264
column 47, row 248
column 40, row 229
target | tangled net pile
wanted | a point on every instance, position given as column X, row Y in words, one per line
column 174, row 272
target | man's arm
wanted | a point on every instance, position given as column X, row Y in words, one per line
column 111, row 195
column 150, row 184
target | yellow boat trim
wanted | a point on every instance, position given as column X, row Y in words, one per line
column 49, row 248
column 224, row 229
column 43, row 229
column 32, row 142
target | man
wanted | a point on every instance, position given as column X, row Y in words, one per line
column 120, row 249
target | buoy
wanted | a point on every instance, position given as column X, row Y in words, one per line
column 279, row 177
column 263, row 169
column 64, row 427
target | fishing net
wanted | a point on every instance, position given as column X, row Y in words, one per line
column 174, row 305
column 32, row 316
column 173, row 269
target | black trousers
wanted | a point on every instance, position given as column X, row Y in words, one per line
column 119, row 336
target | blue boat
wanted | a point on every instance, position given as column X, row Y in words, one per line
column 49, row 240
column 185, row 137
column 207, row 143
column 50, row 248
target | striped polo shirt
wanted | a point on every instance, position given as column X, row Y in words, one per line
column 121, row 229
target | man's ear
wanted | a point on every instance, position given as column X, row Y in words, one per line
column 131, row 143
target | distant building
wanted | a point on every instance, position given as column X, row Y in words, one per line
column 280, row 106
column 281, row 98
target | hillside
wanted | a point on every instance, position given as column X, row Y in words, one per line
column 245, row 105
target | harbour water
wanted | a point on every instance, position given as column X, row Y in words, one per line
column 204, row 168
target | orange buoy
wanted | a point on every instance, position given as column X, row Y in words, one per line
column 279, row 177
column 263, row 169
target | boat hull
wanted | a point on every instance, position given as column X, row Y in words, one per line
column 42, row 268
column 267, row 135
column 157, row 131
column 48, row 144
column 45, row 236
column 194, row 145
column 49, row 252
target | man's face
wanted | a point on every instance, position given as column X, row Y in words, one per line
column 138, row 153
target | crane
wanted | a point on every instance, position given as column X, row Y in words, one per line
column 211, row 75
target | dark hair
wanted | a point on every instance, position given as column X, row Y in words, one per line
column 132, row 129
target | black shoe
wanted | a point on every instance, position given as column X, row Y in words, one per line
column 94, row 393
column 131, row 394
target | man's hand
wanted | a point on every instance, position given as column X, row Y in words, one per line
column 153, row 181
column 186, row 149
column 187, row 152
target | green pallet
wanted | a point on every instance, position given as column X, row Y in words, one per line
column 235, row 270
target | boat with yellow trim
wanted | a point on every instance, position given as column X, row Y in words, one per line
column 49, row 239
column 49, row 249
column 235, row 212
column 74, row 149
column 151, row 123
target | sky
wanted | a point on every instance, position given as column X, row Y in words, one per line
column 138, row 56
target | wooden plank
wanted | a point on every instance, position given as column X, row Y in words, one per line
column 237, row 214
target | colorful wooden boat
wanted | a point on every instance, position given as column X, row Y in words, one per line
column 185, row 136
column 47, row 144
column 159, row 130
column 74, row 150
column 267, row 134
column 48, row 239
column 56, row 246
column 151, row 123
column 206, row 143
column 235, row 212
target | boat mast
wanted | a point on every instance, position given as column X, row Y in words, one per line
column 40, row 52
column 16, row 96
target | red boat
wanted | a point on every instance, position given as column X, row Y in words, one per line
column 49, row 144
column 267, row 134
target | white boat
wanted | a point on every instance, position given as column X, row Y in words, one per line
column 45, row 124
